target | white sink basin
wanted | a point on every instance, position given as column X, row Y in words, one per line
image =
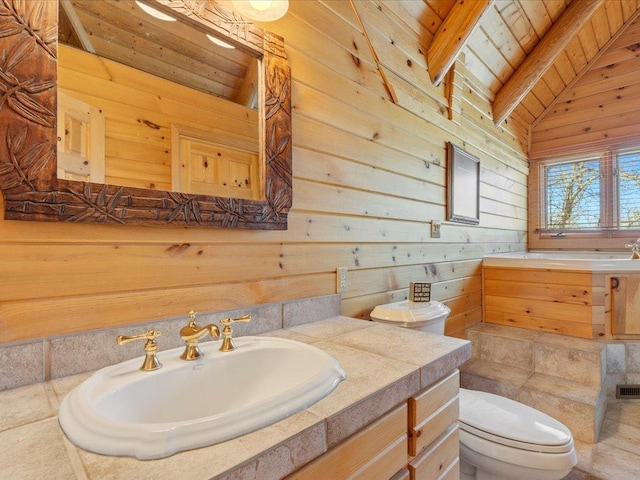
column 123, row 411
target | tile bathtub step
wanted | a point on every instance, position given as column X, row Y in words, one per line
column 580, row 407
column 565, row 357
column 493, row 377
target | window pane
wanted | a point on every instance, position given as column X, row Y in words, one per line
column 629, row 190
column 573, row 195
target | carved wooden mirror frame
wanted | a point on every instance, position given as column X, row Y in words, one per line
column 28, row 177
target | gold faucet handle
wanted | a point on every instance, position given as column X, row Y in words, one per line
column 227, row 333
column 149, row 335
column 150, row 348
column 226, row 322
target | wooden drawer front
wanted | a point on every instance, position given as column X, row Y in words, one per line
column 438, row 461
column 425, row 403
column 453, row 473
column 382, row 445
column 401, row 475
column 422, row 435
column 432, row 412
column 387, row 462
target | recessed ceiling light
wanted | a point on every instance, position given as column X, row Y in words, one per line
column 261, row 10
column 219, row 42
column 155, row 13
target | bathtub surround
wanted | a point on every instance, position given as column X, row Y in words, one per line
column 571, row 293
column 50, row 358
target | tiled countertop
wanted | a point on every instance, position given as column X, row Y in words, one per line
column 385, row 365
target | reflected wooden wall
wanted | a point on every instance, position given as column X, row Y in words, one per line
column 369, row 176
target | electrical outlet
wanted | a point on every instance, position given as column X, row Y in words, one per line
column 342, row 279
column 435, row 229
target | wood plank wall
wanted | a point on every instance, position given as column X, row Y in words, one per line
column 368, row 178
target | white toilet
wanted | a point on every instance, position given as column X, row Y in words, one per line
column 500, row 439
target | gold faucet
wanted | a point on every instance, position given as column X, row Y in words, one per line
column 635, row 249
column 227, row 342
column 150, row 348
column 192, row 332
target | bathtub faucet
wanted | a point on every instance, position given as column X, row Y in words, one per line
column 635, row 249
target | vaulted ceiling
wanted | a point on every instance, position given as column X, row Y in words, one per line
column 526, row 53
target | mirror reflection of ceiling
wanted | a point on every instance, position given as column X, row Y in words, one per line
column 123, row 32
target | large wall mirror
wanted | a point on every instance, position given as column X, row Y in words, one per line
column 175, row 115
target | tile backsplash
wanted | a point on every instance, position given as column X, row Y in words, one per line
column 48, row 358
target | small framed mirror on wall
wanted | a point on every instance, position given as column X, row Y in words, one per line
column 180, row 153
column 463, row 188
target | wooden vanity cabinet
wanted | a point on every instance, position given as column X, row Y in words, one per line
column 433, row 431
column 418, row 440
column 377, row 451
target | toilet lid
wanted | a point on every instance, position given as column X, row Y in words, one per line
column 410, row 314
column 505, row 421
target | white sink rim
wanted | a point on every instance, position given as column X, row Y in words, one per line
column 90, row 429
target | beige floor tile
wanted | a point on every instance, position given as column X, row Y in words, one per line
column 620, row 435
column 577, row 475
column 610, row 463
column 625, row 412
column 585, row 454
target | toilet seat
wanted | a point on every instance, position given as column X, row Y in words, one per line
column 531, row 447
column 503, row 421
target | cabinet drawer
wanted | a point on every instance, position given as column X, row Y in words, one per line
column 386, row 463
column 380, row 447
column 453, row 473
column 432, row 412
column 401, row 475
column 440, row 460
column 425, row 403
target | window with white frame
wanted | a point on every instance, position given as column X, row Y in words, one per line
column 592, row 193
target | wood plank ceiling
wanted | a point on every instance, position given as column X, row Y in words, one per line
column 512, row 33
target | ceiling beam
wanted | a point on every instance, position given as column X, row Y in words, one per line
column 542, row 57
column 452, row 36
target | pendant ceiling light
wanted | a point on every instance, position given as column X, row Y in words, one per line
column 261, row 10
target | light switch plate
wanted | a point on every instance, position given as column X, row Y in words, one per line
column 435, row 229
column 342, row 279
